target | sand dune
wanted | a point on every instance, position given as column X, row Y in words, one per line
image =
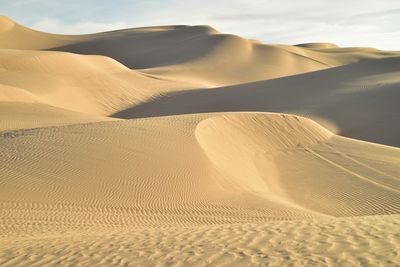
column 261, row 144
column 197, row 53
column 357, row 100
column 204, row 55
column 90, row 84
column 158, row 146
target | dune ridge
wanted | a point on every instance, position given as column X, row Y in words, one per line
column 192, row 52
column 180, row 145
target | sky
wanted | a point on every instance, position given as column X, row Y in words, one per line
column 369, row 23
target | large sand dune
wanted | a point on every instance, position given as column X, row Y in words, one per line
column 158, row 146
column 358, row 100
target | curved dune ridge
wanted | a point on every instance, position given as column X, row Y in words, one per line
column 244, row 140
column 183, row 146
column 203, row 171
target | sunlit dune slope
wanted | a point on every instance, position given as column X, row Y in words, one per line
column 195, row 169
column 91, row 84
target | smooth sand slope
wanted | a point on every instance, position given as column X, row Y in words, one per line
column 158, row 146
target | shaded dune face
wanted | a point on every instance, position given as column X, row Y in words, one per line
column 318, row 45
column 180, row 145
column 147, row 46
column 350, row 100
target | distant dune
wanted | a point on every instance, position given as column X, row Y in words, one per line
column 183, row 146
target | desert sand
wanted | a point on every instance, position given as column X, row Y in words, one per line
column 184, row 146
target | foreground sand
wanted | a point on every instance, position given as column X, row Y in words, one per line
column 365, row 241
column 158, row 146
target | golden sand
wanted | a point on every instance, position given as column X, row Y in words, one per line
column 183, row 146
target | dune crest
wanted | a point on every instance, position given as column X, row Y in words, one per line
column 6, row 24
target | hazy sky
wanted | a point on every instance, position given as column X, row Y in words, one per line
column 345, row 22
